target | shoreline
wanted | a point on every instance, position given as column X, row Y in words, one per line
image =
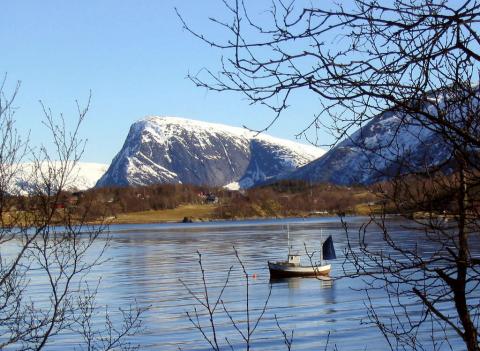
column 202, row 213
column 140, row 218
column 211, row 220
column 115, row 221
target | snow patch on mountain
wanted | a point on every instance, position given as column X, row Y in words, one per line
column 232, row 186
column 376, row 151
column 29, row 177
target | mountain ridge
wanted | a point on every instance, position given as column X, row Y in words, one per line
column 390, row 143
column 164, row 149
column 82, row 176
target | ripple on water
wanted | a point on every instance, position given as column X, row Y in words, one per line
column 146, row 263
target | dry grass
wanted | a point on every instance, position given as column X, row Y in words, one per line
column 366, row 209
column 195, row 212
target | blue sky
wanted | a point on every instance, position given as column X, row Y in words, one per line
column 133, row 56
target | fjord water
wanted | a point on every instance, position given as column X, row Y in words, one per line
column 147, row 262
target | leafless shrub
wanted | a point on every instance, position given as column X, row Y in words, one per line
column 211, row 306
column 44, row 247
column 418, row 61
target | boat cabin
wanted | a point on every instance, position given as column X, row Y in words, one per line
column 294, row 259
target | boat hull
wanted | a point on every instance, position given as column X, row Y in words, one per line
column 285, row 270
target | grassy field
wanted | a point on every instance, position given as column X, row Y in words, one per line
column 365, row 209
column 195, row 212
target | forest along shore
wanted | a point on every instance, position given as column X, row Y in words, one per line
column 177, row 202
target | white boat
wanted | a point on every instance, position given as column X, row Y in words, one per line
column 292, row 267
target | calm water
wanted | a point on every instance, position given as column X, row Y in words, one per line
column 147, row 262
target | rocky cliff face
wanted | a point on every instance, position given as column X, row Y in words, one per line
column 177, row 150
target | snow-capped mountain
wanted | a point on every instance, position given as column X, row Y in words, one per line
column 84, row 175
column 388, row 144
column 178, row 150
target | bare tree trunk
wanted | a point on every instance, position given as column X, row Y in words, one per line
column 415, row 62
column 459, row 285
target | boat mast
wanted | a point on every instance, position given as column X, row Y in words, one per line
column 321, row 246
column 288, row 237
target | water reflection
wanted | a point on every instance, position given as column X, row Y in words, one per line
column 295, row 282
column 147, row 262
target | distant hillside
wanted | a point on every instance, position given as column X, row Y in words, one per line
column 376, row 152
column 173, row 202
column 184, row 151
column 83, row 176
